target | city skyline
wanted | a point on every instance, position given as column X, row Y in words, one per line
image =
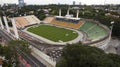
column 42, row 2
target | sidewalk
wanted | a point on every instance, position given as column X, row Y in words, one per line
column 114, row 43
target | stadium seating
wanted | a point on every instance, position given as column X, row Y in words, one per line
column 67, row 24
column 35, row 18
column 26, row 20
column 18, row 25
column 21, row 21
column 86, row 26
column 96, row 33
column 93, row 31
column 30, row 19
column 48, row 19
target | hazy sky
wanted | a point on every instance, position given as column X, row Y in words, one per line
column 41, row 2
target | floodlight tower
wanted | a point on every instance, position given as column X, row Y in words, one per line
column 14, row 28
column 68, row 11
column 1, row 24
column 111, row 27
column 59, row 12
column 6, row 24
column 77, row 14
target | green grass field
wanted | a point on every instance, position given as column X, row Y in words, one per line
column 53, row 33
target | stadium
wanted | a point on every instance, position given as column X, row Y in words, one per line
column 62, row 30
column 59, row 30
column 54, row 32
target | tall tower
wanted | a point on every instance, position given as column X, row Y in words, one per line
column 73, row 2
column 21, row 3
column 77, row 16
column 59, row 12
column 68, row 11
column 80, row 3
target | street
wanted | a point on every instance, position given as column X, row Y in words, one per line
column 29, row 58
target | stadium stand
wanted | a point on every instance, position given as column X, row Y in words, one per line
column 30, row 19
column 66, row 23
column 86, row 26
column 18, row 25
column 35, row 18
column 21, row 22
column 48, row 19
column 94, row 31
column 26, row 20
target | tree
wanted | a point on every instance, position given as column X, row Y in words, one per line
column 19, row 44
column 40, row 14
column 17, row 47
column 85, row 56
column 11, row 51
column 8, row 54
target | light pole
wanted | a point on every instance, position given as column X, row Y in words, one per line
column 59, row 12
column 110, row 34
column 112, row 26
column 112, row 22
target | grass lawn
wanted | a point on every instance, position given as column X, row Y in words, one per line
column 53, row 33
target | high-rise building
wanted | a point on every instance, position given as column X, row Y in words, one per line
column 80, row 3
column 21, row 3
column 0, row 5
column 73, row 2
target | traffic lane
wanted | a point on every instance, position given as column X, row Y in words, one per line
column 5, row 36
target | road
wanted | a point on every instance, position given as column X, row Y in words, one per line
column 5, row 35
column 29, row 58
column 33, row 61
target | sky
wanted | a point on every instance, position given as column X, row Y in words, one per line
column 42, row 2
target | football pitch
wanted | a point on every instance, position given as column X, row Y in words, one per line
column 53, row 33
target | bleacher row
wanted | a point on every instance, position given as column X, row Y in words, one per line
column 93, row 31
column 26, row 20
column 67, row 24
column 48, row 19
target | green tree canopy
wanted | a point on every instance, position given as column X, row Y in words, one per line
column 85, row 56
column 22, row 45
